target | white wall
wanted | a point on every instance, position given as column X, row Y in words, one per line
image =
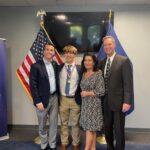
column 19, row 26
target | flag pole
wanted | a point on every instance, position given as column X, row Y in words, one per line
column 101, row 138
column 40, row 13
column 110, row 15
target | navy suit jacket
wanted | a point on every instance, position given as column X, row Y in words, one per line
column 39, row 82
column 78, row 90
column 120, row 82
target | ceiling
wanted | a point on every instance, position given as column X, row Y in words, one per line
column 69, row 2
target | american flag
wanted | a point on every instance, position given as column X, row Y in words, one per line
column 35, row 53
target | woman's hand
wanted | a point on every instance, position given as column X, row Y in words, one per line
column 84, row 93
column 87, row 93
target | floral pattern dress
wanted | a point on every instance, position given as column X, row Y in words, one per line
column 91, row 109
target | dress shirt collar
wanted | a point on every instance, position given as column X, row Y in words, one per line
column 73, row 64
column 46, row 62
column 112, row 57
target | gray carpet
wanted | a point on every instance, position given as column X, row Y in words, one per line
column 22, row 138
column 28, row 145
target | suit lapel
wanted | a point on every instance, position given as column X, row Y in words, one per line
column 113, row 65
column 78, row 69
column 103, row 66
column 60, row 67
column 54, row 67
column 44, row 69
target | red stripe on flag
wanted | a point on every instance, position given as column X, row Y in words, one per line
column 26, row 85
column 58, row 58
column 29, row 60
column 25, row 69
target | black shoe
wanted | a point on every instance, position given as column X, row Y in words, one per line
column 53, row 149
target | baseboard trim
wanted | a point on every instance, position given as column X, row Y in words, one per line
column 35, row 127
column 137, row 130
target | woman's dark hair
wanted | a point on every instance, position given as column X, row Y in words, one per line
column 95, row 67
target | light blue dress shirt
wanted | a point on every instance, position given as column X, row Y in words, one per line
column 51, row 75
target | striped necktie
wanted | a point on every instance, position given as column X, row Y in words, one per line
column 67, row 88
column 107, row 75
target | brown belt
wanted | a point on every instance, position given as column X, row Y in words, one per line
column 69, row 96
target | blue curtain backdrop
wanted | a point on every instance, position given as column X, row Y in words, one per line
column 3, row 101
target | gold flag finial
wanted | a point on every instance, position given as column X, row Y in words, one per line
column 41, row 13
column 110, row 15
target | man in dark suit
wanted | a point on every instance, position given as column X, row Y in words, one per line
column 43, row 89
column 69, row 109
column 119, row 88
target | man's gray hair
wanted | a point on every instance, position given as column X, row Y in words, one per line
column 108, row 37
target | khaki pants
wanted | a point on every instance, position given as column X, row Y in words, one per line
column 69, row 111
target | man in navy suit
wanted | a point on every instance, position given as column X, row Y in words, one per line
column 69, row 89
column 43, row 89
column 119, row 88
